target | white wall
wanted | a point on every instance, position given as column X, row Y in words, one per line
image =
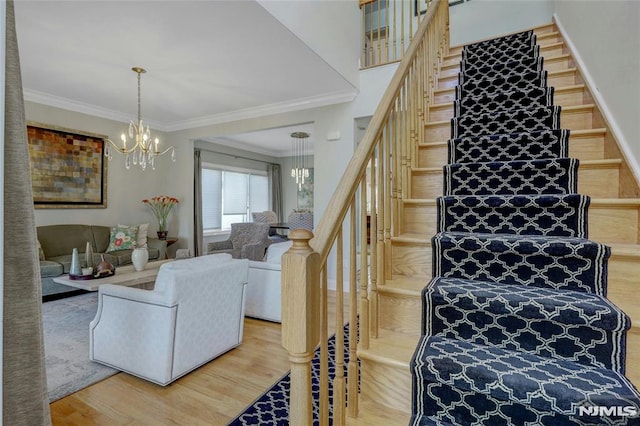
column 331, row 28
column 480, row 19
column 125, row 188
column 606, row 36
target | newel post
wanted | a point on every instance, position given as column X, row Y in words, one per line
column 300, row 321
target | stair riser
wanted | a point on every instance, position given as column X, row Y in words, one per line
column 551, row 63
column 607, row 223
column 526, row 320
column 580, row 119
column 555, row 79
column 411, row 260
column 386, row 385
column 399, row 313
column 561, row 98
column 541, row 33
column 546, row 49
column 611, row 224
column 583, row 148
column 511, row 259
column 429, row 184
column 574, row 119
column 633, row 356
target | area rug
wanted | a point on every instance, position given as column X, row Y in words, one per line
column 66, row 345
column 272, row 407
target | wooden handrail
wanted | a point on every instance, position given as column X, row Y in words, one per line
column 336, row 210
column 381, row 170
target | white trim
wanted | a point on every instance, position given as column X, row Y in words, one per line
column 264, row 110
column 618, row 135
column 242, row 114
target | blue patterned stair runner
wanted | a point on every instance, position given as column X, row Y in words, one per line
column 504, row 101
column 530, row 260
column 492, row 70
column 465, row 383
column 543, row 176
column 522, row 120
column 574, row 326
column 555, row 215
column 509, row 147
column 493, row 86
column 516, row 328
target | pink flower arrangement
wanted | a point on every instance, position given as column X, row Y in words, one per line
column 161, row 207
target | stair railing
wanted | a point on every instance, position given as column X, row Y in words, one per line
column 388, row 26
column 381, row 168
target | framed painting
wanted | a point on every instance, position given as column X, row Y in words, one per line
column 68, row 167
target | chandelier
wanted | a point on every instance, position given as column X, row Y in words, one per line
column 145, row 149
column 299, row 148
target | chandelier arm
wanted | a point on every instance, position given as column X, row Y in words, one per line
column 122, row 150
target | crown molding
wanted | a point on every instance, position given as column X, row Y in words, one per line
column 242, row 114
column 84, row 108
column 264, row 110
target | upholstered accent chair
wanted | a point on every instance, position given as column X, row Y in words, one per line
column 301, row 220
column 247, row 241
column 194, row 314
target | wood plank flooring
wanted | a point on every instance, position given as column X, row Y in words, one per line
column 211, row 395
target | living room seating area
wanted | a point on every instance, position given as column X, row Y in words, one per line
column 58, row 241
column 194, row 314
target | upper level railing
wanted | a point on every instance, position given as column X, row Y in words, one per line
column 388, row 26
column 376, row 177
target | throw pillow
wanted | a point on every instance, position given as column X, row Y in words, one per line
column 122, row 238
column 40, row 251
column 141, row 236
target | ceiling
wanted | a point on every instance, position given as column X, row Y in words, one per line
column 207, row 62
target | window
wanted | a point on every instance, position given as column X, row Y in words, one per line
column 231, row 195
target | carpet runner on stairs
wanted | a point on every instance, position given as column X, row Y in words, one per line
column 516, row 327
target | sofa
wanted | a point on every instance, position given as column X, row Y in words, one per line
column 194, row 313
column 58, row 241
column 264, row 289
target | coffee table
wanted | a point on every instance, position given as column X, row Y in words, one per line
column 125, row 275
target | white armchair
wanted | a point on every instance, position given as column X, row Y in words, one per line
column 194, row 314
column 264, row 291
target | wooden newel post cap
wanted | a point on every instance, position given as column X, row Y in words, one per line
column 300, row 238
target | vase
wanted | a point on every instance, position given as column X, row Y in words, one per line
column 162, row 235
column 88, row 256
column 139, row 258
column 74, row 269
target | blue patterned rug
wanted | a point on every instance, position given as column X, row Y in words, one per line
column 272, row 407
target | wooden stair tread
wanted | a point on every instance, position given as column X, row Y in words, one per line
column 408, row 286
column 412, row 238
column 608, row 162
column 372, row 414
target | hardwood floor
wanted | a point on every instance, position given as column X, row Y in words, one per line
column 211, row 395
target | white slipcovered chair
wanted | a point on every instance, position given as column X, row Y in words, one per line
column 264, row 291
column 194, row 314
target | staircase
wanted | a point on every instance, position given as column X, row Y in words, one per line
column 519, row 195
